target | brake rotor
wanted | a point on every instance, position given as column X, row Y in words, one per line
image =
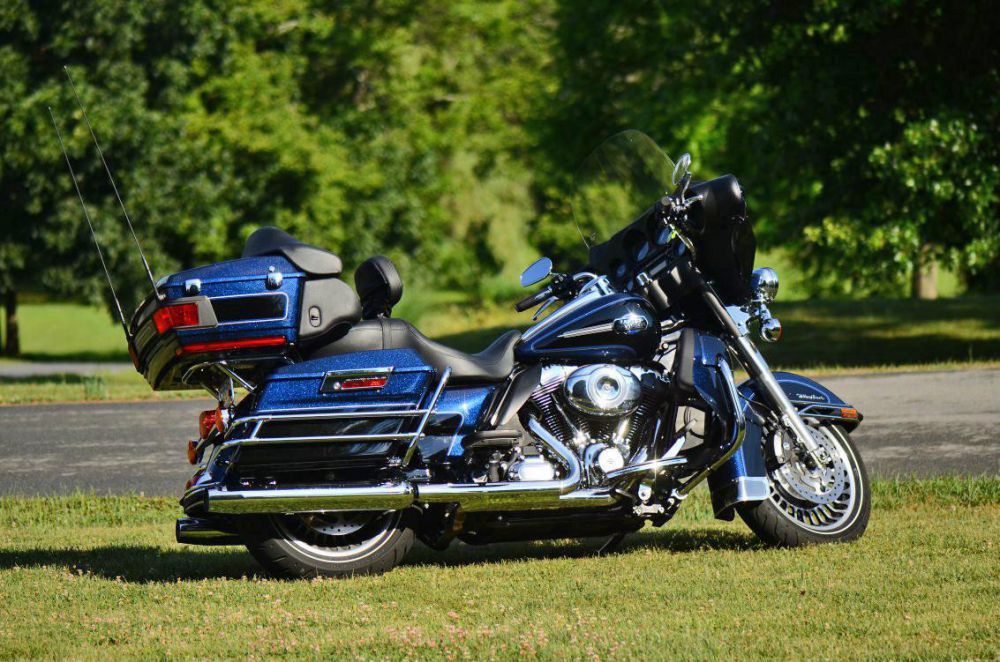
column 337, row 524
column 822, row 484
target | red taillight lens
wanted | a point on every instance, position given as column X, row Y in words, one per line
column 363, row 382
column 223, row 345
column 168, row 317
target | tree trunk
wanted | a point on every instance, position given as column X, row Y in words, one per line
column 13, row 345
column 925, row 272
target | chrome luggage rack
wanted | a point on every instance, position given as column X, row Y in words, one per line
column 413, row 438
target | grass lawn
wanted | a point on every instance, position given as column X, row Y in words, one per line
column 95, row 577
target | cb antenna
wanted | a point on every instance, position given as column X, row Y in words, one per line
column 90, row 224
column 114, row 186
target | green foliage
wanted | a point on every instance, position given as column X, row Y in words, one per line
column 865, row 133
column 365, row 129
column 446, row 134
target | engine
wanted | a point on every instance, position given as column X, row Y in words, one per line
column 603, row 412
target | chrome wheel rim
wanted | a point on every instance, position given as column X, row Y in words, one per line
column 338, row 536
column 820, row 498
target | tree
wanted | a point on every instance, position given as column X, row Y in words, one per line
column 840, row 118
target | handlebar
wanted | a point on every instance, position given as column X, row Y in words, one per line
column 533, row 299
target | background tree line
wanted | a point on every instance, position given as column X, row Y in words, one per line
column 446, row 133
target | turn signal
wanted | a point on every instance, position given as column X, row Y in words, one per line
column 169, row 317
column 192, row 455
column 849, row 412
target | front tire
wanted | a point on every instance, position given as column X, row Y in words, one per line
column 812, row 504
column 340, row 544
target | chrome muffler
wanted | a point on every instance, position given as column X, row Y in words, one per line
column 195, row 531
column 471, row 497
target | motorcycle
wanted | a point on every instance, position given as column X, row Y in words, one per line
column 355, row 434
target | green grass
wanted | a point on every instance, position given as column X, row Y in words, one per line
column 83, row 388
column 99, row 577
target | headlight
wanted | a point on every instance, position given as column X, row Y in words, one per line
column 764, row 283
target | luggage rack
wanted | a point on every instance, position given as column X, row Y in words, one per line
column 258, row 421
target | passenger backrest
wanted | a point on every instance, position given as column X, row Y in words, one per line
column 379, row 286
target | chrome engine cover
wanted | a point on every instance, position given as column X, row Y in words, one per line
column 603, row 390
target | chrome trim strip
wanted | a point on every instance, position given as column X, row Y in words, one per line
column 556, row 315
column 600, row 328
column 263, row 441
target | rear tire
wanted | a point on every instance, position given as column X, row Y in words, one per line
column 831, row 503
column 341, row 544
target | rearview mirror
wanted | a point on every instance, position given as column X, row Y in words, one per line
column 538, row 271
column 681, row 168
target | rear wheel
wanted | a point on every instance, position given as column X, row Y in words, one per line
column 328, row 544
column 810, row 502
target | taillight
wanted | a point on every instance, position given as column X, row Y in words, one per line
column 223, row 345
column 169, row 317
column 209, row 420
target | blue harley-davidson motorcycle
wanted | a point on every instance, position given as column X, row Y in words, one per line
column 358, row 434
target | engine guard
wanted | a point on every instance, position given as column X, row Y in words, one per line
column 743, row 477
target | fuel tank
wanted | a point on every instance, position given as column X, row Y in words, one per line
column 614, row 327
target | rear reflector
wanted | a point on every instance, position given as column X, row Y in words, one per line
column 363, row 382
column 169, row 317
column 848, row 412
column 223, row 345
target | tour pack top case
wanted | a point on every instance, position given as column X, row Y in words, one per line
column 279, row 300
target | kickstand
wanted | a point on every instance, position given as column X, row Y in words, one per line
column 611, row 545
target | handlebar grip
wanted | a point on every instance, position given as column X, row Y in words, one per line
column 532, row 300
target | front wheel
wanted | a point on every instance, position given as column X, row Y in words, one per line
column 335, row 544
column 810, row 503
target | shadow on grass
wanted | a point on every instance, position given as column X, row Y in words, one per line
column 149, row 564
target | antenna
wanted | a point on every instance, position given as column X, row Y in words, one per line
column 107, row 169
column 86, row 214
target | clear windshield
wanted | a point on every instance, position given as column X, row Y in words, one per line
column 617, row 183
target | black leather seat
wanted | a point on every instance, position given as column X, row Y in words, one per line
column 493, row 364
column 310, row 259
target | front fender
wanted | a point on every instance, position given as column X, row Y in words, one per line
column 743, row 478
column 812, row 399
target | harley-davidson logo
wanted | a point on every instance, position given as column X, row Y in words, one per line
column 630, row 324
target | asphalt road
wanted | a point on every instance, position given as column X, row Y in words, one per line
column 915, row 424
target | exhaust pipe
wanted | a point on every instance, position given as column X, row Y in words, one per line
column 195, row 531
column 471, row 497
column 390, row 496
column 529, row 495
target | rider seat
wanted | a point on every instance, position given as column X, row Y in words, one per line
column 493, row 364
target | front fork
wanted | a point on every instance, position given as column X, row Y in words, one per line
column 758, row 369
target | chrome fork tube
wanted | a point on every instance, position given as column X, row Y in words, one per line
column 759, row 370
